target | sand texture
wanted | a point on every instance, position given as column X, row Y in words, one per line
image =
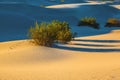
column 91, row 59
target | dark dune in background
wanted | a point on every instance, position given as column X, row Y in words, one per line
column 16, row 18
column 14, row 26
column 43, row 2
column 101, row 12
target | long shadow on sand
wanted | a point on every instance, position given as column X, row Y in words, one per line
column 84, row 47
column 103, row 41
column 88, row 49
column 95, row 45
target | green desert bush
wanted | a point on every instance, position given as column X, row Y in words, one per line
column 64, row 35
column 113, row 22
column 88, row 21
column 42, row 34
column 63, row 31
column 46, row 33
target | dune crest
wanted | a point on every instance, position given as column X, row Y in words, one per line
column 93, row 55
column 23, row 60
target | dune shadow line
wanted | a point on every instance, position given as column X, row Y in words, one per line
column 87, row 49
column 105, row 47
column 104, row 41
column 95, row 45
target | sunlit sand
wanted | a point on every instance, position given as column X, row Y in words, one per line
column 93, row 55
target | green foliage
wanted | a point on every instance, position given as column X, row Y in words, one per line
column 46, row 33
column 113, row 21
column 64, row 35
column 42, row 34
column 89, row 21
column 62, row 30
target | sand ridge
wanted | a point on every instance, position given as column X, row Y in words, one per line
column 93, row 56
column 27, row 61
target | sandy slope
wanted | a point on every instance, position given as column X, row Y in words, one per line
column 80, row 4
column 40, row 2
column 21, row 60
column 74, row 5
column 94, row 57
column 21, row 15
column 116, row 6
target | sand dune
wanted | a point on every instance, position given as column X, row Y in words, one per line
column 22, row 60
column 116, row 6
column 40, row 2
column 74, row 5
column 19, row 16
column 93, row 55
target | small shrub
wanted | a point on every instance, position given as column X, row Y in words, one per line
column 63, row 31
column 113, row 22
column 64, row 36
column 42, row 34
column 89, row 21
column 62, row 1
column 46, row 33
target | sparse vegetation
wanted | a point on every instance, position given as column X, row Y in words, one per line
column 89, row 21
column 113, row 22
column 62, row 1
column 46, row 33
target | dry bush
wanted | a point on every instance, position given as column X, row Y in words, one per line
column 46, row 33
